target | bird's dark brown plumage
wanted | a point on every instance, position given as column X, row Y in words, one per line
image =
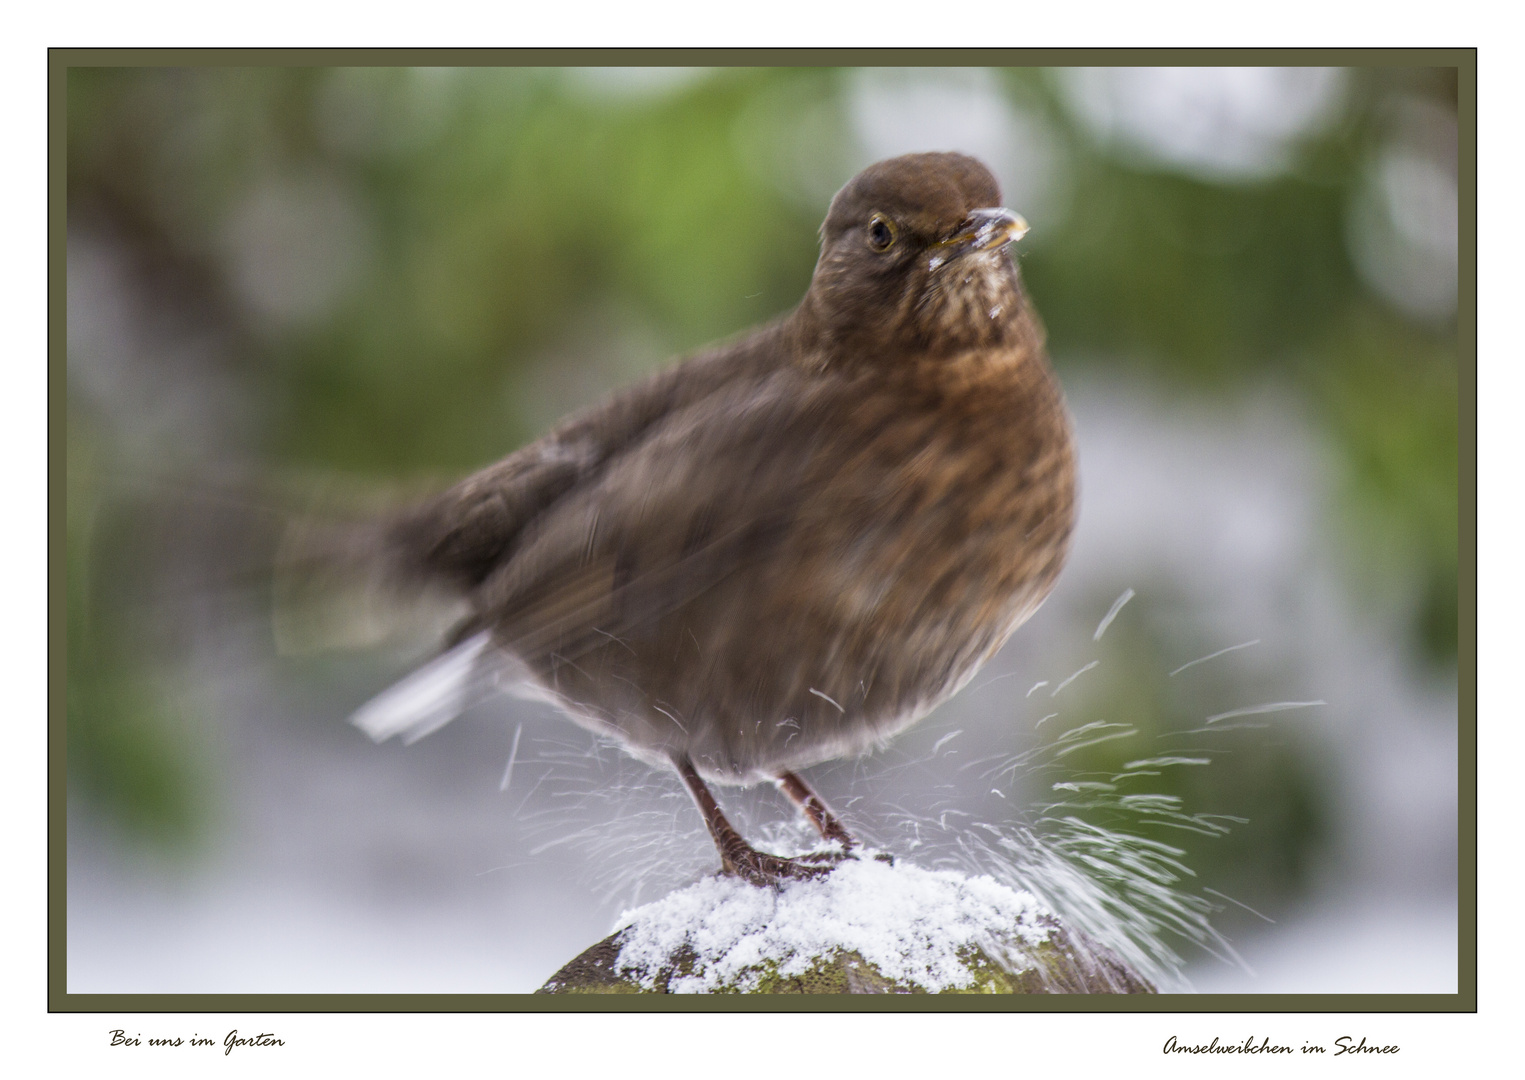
column 788, row 548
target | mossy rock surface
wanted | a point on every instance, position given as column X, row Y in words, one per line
column 1059, row 967
column 865, row 929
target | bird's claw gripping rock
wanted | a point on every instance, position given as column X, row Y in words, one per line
column 762, row 869
column 766, row 870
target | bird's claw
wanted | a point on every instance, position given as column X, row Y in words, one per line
column 761, row 869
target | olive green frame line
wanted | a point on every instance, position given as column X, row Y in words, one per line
column 1464, row 60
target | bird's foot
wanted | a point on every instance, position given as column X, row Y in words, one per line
column 852, row 853
column 763, row 869
column 826, row 858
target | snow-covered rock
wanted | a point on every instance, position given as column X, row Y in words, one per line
column 869, row 926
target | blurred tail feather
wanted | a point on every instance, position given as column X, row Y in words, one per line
column 336, row 587
column 432, row 696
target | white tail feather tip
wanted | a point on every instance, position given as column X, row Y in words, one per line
column 429, row 698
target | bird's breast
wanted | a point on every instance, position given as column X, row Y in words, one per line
column 954, row 508
column 912, row 523
column 928, row 527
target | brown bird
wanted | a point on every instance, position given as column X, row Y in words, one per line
column 782, row 550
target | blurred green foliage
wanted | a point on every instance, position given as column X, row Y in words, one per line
column 476, row 251
column 130, row 752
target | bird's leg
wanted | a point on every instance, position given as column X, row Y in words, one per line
column 815, row 809
column 736, row 855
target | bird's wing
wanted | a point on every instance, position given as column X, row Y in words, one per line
column 405, row 574
column 662, row 522
column 708, row 492
column 462, row 536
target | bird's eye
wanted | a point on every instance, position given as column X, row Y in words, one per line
column 881, row 234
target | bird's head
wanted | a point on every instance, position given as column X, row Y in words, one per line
column 913, row 256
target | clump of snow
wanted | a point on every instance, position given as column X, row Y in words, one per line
column 909, row 923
